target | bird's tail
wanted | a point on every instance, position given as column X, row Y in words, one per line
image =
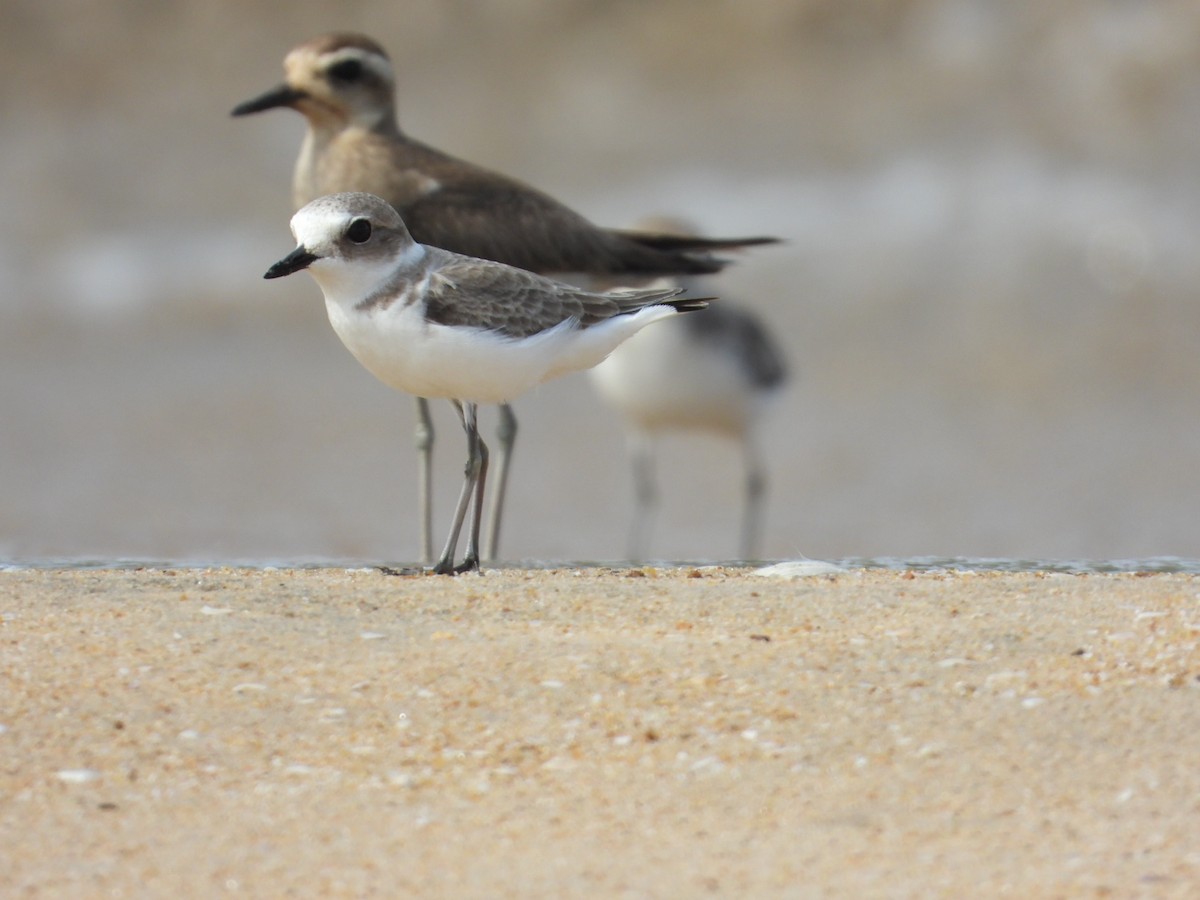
column 689, row 243
column 689, row 304
column 632, row 301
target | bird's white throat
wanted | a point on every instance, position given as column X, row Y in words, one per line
column 349, row 282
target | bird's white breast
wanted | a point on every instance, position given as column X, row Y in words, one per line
column 406, row 352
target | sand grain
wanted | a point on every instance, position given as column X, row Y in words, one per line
column 659, row 733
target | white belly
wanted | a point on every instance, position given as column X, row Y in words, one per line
column 404, row 351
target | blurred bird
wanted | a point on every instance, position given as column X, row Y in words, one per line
column 711, row 372
column 439, row 324
column 344, row 86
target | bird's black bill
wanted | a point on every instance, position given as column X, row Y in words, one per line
column 280, row 96
column 295, row 261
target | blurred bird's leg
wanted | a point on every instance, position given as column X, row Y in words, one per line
column 641, row 455
column 506, row 435
column 756, row 492
column 424, row 436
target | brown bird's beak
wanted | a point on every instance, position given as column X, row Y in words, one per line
column 284, row 95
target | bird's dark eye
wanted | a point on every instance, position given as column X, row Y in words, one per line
column 347, row 70
column 359, row 231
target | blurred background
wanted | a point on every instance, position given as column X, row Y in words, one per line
column 988, row 293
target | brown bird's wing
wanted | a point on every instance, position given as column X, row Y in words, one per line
column 452, row 204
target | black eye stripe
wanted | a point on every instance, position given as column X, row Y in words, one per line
column 347, row 70
column 359, row 231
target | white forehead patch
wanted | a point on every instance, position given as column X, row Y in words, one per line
column 319, row 223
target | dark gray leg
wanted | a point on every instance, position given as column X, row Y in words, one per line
column 506, row 435
column 471, row 559
column 470, row 496
column 424, row 434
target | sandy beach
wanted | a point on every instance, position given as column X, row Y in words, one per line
column 641, row 733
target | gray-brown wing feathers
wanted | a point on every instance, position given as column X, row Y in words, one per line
column 519, row 304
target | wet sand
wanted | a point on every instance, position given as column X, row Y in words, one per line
column 644, row 733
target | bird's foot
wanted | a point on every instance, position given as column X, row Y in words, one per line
column 447, row 567
column 470, row 564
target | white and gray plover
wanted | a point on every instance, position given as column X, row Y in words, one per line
column 438, row 324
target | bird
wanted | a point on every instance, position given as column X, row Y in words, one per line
column 713, row 372
column 438, row 324
column 344, row 85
